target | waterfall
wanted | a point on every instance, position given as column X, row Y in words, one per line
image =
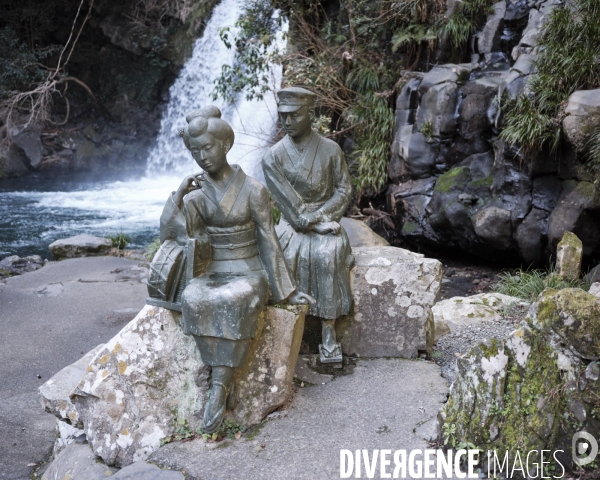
column 38, row 215
column 253, row 122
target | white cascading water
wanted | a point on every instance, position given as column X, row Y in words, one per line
column 134, row 207
column 253, row 122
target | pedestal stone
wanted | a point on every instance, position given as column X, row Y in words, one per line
column 149, row 379
column 80, row 246
column 138, row 385
column 265, row 383
column 393, row 290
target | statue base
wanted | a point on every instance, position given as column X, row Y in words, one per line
column 334, row 356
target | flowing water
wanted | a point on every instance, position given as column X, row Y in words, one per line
column 38, row 209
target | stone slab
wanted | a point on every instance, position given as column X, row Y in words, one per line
column 394, row 290
column 56, row 391
column 80, row 246
column 266, row 382
column 77, row 461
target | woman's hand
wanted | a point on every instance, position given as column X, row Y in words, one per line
column 189, row 184
column 300, row 298
column 327, row 228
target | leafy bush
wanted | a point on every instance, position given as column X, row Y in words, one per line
column 569, row 48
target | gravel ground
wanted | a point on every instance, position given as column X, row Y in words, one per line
column 458, row 342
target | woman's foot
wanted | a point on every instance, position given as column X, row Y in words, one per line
column 222, row 380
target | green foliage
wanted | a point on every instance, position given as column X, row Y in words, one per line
column 458, row 28
column 449, row 434
column 119, row 240
column 255, row 48
column 427, row 129
column 593, row 152
column 568, row 52
column 20, row 66
column 528, row 284
column 151, row 249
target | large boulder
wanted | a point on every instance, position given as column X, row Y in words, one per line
column 361, row 235
column 459, row 311
column 582, row 117
column 15, row 265
column 393, row 291
column 149, row 380
column 77, row 461
column 80, row 246
column 536, row 388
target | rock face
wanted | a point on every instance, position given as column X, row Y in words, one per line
column 56, row 392
column 568, row 256
column 138, row 385
column 535, row 389
column 150, row 378
column 15, row 265
column 393, row 291
column 459, row 311
column 360, row 235
column 455, row 185
column 265, row 383
column 79, row 462
column 80, row 246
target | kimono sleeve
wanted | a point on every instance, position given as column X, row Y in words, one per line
column 284, row 195
column 337, row 204
column 172, row 223
column 280, row 281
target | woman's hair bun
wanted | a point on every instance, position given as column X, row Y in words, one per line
column 207, row 112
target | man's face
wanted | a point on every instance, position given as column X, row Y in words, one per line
column 297, row 123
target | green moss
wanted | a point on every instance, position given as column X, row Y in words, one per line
column 409, row 227
column 482, row 182
column 457, row 177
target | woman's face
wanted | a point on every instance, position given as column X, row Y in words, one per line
column 208, row 152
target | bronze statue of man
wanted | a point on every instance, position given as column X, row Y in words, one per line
column 309, row 181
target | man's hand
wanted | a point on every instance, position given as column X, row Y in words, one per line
column 300, row 298
column 327, row 228
column 307, row 219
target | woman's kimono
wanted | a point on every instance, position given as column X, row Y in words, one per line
column 299, row 184
column 221, row 307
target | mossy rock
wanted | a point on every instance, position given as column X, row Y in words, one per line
column 532, row 390
column 574, row 315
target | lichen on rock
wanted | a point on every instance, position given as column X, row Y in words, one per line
column 534, row 389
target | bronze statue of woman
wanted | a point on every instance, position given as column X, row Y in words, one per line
column 229, row 215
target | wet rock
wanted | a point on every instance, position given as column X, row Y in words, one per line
column 15, row 265
column 360, row 234
column 77, row 461
column 393, row 290
column 436, row 112
column 493, row 225
column 583, row 115
column 545, row 192
column 55, row 393
column 532, row 236
column 29, row 141
column 594, row 275
column 574, row 213
column 80, row 246
column 144, row 380
column 569, row 253
column 265, row 383
column 13, row 162
column 489, row 38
